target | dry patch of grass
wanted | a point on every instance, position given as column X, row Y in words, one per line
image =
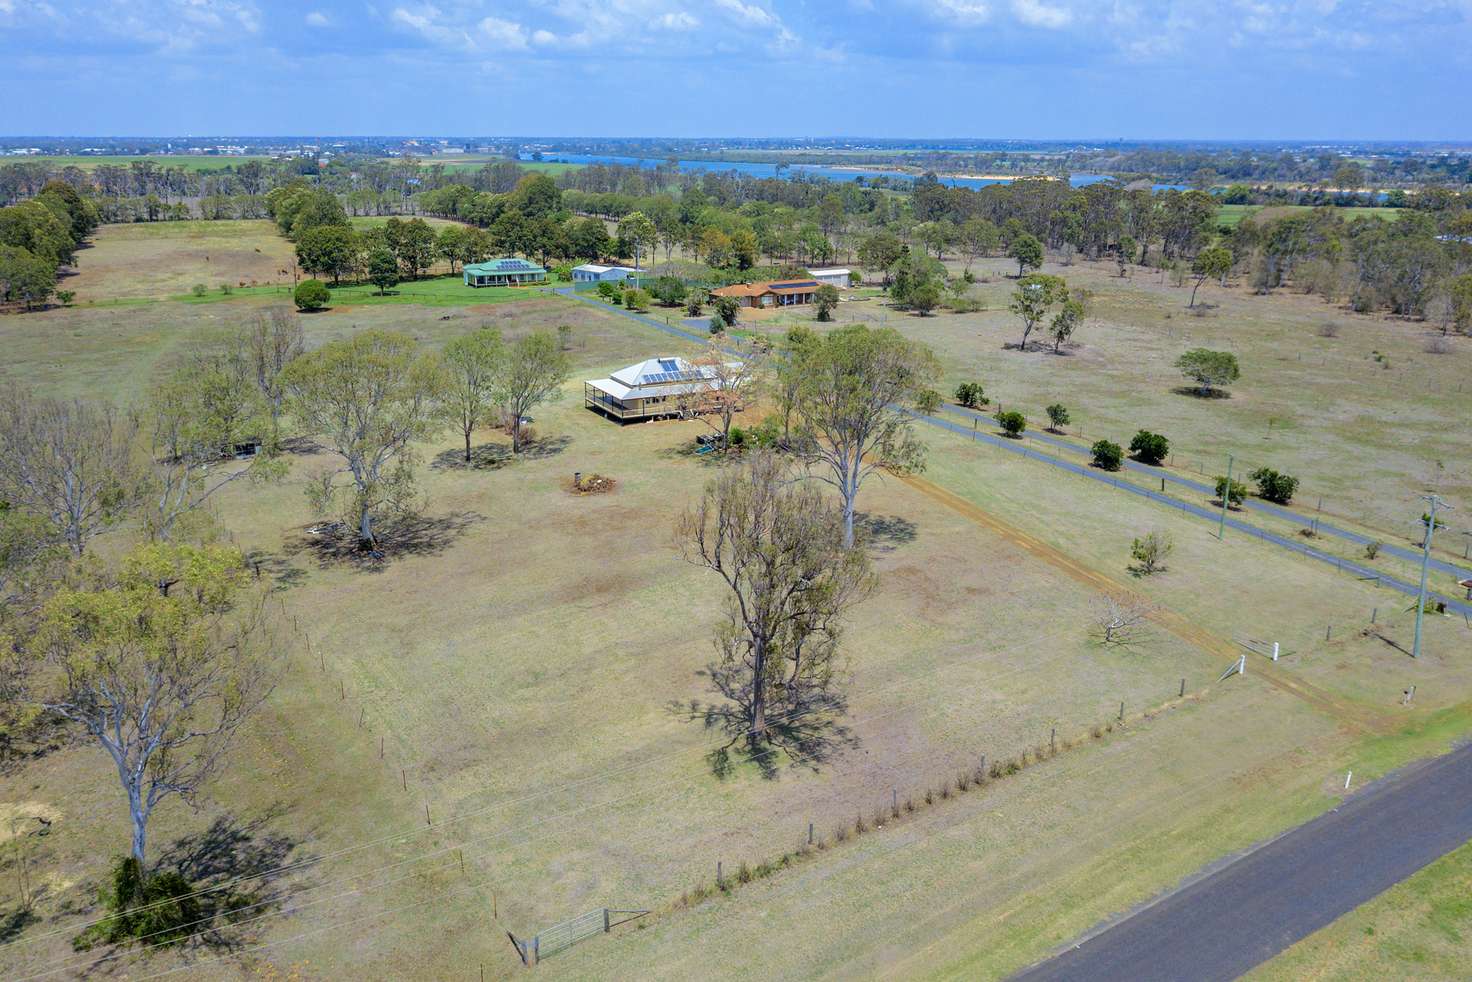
column 163, row 259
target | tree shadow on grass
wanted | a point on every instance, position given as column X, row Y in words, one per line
column 413, row 535
column 803, row 729
column 494, row 456
column 277, row 570
column 1196, row 392
column 884, row 533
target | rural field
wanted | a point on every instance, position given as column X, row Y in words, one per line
column 499, row 727
column 1360, row 417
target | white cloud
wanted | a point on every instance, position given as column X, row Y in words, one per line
column 1034, row 13
column 317, row 18
column 749, row 13
column 677, row 20
column 503, row 35
column 967, row 12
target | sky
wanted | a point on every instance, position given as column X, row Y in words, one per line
column 1021, row 69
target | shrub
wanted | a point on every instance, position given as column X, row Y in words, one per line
column 161, row 907
column 1328, row 329
column 928, row 401
column 1149, row 448
column 1275, row 487
column 226, row 289
column 1372, row 549
column 311, row 295
column 1150, row 552
column 736, row 438
column 608, row 291
column 1108, row 455
column 1238, row 492
column 668, row 290
column 1058, row 416
column 859, row 826
column 66, row 297
column 199, row 289
column 970, row 395
column 743, row 873
column 1012, row 422
column 636, row 299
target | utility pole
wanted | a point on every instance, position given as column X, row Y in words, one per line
column 1221, row 529
column 1435, row 502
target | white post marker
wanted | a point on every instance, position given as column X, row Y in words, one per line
column 1242, row 665
column 1347, row 776
column 1275, row 651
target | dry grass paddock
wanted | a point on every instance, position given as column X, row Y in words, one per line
column 498, row 717
column 1366, row 434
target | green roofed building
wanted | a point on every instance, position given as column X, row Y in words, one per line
column 504, row 272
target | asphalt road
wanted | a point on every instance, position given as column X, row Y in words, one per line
column 1235, row 918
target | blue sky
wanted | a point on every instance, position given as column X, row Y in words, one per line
column 1031, row 69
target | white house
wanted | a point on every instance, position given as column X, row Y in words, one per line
column 665, row 386
column 594, row 273
column 837, row 276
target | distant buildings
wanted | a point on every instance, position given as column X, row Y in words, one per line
column 504, row 272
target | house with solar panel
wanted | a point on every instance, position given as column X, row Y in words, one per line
column 504, row 272
column 777, row 293
column 659, row 387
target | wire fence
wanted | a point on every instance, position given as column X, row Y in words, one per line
column 560, row 937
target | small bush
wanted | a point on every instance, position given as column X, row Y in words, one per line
column 1236, row 494
column 66, row 297
column 909, row 804
column 1149, row 448
column 945, row 792
column 1012, row 423
column 743, row 873
column 1372, row 549
column 971, row 395
column 311, row 295
column 1437, row 346
column 928, row 401
column 840, row 834
column 1058, row 417
column 226, row 289
column 929, row 797
column 160, row 907
column 1328, row 329
column 1108, row 455
column 199, row 289
column 859, row 825
column 1274, row 487
column 1150, row 552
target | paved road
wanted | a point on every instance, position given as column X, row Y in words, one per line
column 1093, row 473
column 1223, row 925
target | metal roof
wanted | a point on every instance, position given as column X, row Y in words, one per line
column 506, row 265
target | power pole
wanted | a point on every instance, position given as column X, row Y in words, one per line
column 1221, row 529
column 1435, row 502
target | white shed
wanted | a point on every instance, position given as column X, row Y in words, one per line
column 595, row 273
column 837, row 276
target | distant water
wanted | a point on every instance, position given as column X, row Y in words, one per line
column 820, row 171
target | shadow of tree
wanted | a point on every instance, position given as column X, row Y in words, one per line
column 228, row 863
column 1195, row 392
column 279, row 569
column 494, row 456
column 884, row 533
column 803, row 728
column 14, row 922
column 411, row 535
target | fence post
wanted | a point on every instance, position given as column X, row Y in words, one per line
column 1121, row 710
column 1053, row 741
column 983, row 765
column 718, row 874
column 1328, row 628
column 1275, row 651
column 1183, row 689
column 536, row 949
column 810, row 833
column 1373, row 612
column 894, row 800
column 605, row 920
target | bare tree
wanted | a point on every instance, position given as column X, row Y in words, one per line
column 730, row 382
column 267, row 346
column 160, row 662
column 776, row 544
column 855, row 385
column 78, row 465
column 1119, row 618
